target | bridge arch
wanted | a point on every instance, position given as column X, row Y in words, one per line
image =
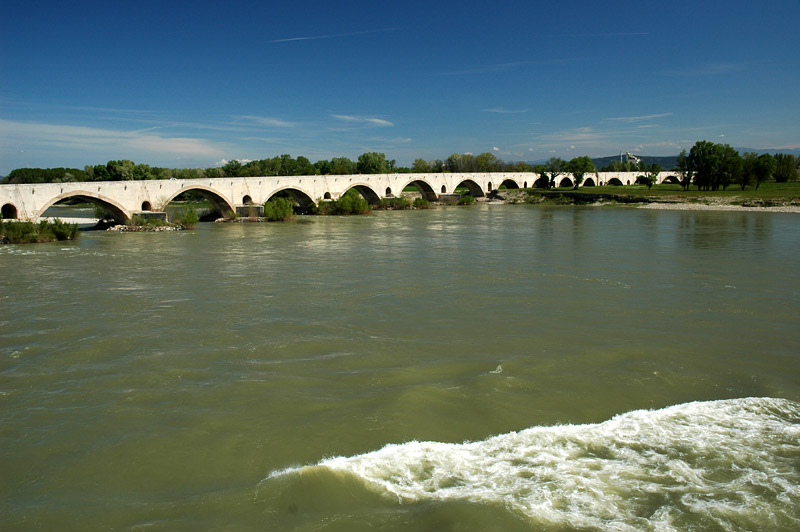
column 424, row 188
column 509, row 184
column 303, row 202
column 366, row 191
column 117, row 211
column 589, row 182
column 615, row 181
column 672, row 180
column 566, row 182
column 541, row 182
column 474, row 188
column 9, row 212
column 218, row 202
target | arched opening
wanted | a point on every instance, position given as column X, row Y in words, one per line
column 470, row 187
column 508, row 184
column 301, row 202
column 327, row 196
column 525, row 184
column 540, row 183
column 589, row 183
column 83, row 206
column 9, row 212
column 208, row 205
column 444, row 189
column 367, row 193
column 628, row 182
column 421, row 188
column 566, row 182
column 247, row 200
column 489, row 187
column 146, row 206
column 672, row 180
column 388, row 192
column 615, row 182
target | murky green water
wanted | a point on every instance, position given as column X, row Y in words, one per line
column 182, row 381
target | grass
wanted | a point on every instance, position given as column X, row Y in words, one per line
column 767, row 191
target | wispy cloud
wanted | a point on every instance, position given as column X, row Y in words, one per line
column 642, row 118
column 369, row 121
column 333, row 35
column 508, row 67
column 30, row 135
column 504, row 111
column 713, row 69
column 265, row 121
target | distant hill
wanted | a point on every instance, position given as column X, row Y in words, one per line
column 667, row 163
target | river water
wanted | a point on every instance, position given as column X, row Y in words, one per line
column 482, row 368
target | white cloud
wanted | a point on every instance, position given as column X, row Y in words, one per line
column 364, row 120
column 266, row 121
column 630, row 119
column 503, row 110
column 495, row 148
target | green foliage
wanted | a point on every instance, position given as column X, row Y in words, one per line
column 421, row 203
column 350, row 203
column 44, row 175
column 715, row 165
column 756, row 169
column 15, row 232
column 580, row 166
column 466, row 199
column 278, row 209
column 147, row 221
column 188, row 218
column 651, row 176
column 786, row 167
column 400, row 203
column 373, row 163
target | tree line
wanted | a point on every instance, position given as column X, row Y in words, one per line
column 707, row 165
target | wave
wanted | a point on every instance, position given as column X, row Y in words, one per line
column 727, row 465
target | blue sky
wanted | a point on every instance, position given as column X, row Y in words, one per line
column 192, row 84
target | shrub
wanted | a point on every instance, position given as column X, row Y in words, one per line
column 466, row 199
column 147, row 221
column 422, row 203
column 278, row 210
column 44, row 231
column 351, row 203
column 188, row 218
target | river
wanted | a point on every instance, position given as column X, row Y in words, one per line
column 493, row 367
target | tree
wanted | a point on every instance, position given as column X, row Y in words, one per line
column 785, row 168
column 651, row 175
column 342, row 166
column 684, row 169
column 756, row 169
column 488, row 162
column 580, row 166
column 553, row 168
column 420, row 166
column 372, row 163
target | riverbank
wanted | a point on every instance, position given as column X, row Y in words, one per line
column 750, row 201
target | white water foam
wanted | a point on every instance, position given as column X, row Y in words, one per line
column 719, row 465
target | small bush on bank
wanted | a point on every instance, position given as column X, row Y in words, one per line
column 351, row 203
column 422, row 203
column 278, row 210
column 146, row 221
column 28, row 232
column 188, row 218
column 466, row 199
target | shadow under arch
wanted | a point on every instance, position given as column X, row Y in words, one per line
column 566, row 182
column 672, row 180
column 509, row 184
column 303, row 204
column 370, row 195
column 589, row 182
column 615, row 181
column 220, row 207
column 114, row 209
column 424, row 188
column 474, row 188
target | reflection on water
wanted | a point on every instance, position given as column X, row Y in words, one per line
column 156, row 379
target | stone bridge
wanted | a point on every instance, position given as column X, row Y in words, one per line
column 123, row 199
